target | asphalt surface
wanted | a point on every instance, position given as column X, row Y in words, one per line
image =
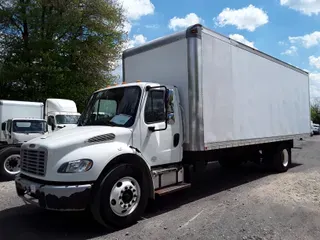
column 249, row 203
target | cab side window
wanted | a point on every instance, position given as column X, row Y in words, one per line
column 155, row 107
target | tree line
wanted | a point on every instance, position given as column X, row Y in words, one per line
column 58, row 48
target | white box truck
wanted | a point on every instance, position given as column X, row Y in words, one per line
column 61, row 113
column 203, row 97
column 18, row 127
column 20, row 121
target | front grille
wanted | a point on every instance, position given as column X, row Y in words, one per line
column 33, row 161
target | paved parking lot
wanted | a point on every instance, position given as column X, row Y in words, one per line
column 249, row 203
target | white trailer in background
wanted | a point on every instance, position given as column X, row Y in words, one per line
column 61, row 113
column 203, row 97
column 20, row 121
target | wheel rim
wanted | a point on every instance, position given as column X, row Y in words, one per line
column 12, row 164
column 285, row 157
column 125, row 196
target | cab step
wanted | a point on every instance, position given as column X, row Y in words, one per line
column 172, row 188
column 165, row 177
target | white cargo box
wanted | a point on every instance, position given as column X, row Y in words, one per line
column 232, row 95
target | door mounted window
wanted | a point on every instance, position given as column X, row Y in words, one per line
column 155, row 107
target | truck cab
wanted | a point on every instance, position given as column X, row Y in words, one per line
column 61, row 114
column 20, row 130
column 62, row 120
column 138, row 129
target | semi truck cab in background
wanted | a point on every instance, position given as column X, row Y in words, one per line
column 61, row 113
column 203, row 97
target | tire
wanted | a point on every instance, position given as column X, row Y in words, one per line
column 9, row 162
column 121, row 197
column 281, row 160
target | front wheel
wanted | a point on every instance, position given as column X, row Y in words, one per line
column 121, row 197
column 9, row 162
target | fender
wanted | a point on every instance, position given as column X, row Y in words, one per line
column 131, row 158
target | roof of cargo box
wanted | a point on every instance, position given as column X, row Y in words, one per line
column 193, row 31
column 138, row 83
column 25, row 103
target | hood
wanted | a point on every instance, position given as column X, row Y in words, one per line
column 24, row 137
column 81, row 135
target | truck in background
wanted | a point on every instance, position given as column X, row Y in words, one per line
column 311, row 129
column 315, row 128
column 20, row 121
column 17, row 127
column 211, row 99
column 61, row 113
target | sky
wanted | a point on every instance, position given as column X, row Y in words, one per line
column 286, row 29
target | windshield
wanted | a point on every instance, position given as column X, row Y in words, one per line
column 112, row 107
column 28, row 126
column 67, row 119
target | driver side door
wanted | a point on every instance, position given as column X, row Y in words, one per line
column 164, row 146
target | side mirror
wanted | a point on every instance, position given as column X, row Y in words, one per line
column 3, row 126
column 50, row 121
column 53, row 127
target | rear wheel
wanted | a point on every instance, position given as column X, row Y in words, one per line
column 282, row 160
column 121, row 197
column 9, row 162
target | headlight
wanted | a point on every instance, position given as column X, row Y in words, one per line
column 77, row 166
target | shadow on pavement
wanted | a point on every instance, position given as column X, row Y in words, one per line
column 213, row 181
column 5, row 180
column 28, row 222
